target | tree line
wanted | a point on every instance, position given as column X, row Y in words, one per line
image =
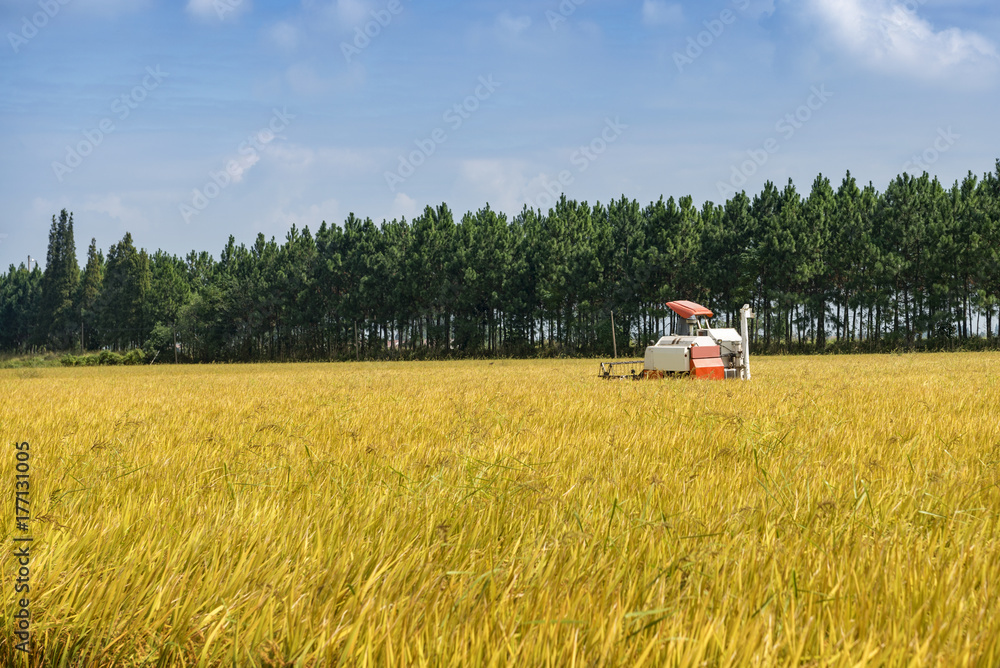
column 916, row 266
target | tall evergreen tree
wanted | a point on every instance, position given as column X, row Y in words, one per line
column 20, row 301
column 817, row 232
column 58, row 317
column 90, row 290
column 122, row 305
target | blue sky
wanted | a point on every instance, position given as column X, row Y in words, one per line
column 184, row 122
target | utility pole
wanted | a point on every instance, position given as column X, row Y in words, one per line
column 614, row 339
column 175, row 343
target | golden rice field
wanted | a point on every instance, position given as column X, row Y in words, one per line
column 835, row 511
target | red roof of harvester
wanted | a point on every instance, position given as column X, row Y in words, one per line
column 686, row 309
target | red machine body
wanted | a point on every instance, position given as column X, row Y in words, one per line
column 706, row 363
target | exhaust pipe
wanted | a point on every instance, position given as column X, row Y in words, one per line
column 745, row 314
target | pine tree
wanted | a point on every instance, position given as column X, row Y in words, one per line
column 20, row 299
column 122, row 303
column 58, row 317
column 90, row 290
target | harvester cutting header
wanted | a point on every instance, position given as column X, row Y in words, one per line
column 697, row 350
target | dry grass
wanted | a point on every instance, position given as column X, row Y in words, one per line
column 835, row 511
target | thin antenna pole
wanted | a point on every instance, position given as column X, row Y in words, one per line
column 614, row 339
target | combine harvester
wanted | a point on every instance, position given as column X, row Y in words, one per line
column 699, row 350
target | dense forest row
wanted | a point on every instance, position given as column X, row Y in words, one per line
column 846, row 268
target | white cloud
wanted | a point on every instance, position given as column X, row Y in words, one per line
column 304, row 80
column 502, row 183
column 324, row 159
column 507, row 29
column 311, row 216
column 339, row 16
column 130, row 218
column 759, row 8
column 240, row 165
column 236, row 167
column 889, row 36
column 353, row 12
column 217, row 10
column 658, row 13
column 512, row 26
column 284, row 35
column 42, row 209
column 404, row 205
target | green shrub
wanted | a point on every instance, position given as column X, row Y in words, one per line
column 134, row 357
column 109, row 358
